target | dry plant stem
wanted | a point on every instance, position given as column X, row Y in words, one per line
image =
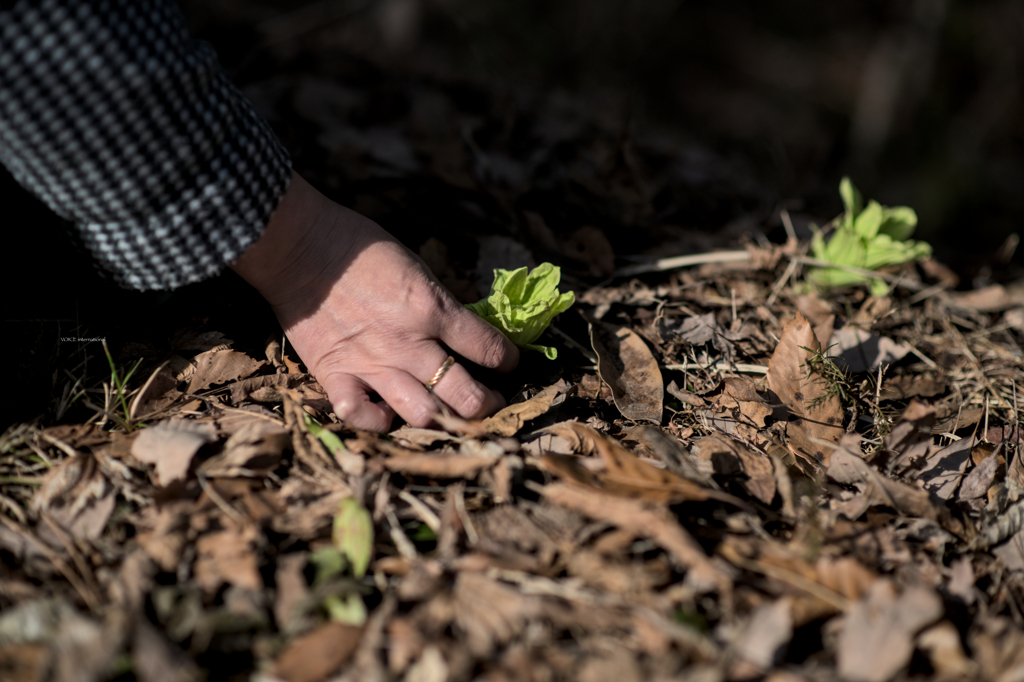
column 781, row 282
column 425, row 513
column 683, row 262
column 720, row 367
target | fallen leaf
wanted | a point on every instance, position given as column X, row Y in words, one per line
column 698, row 330
column 981, row 478
column 228, row 556
column 629, row 368
column 254, row 447
column 769, row 629
column 946, row 652
column 644, row 521
column 220, row 367
column 857, row 350
column 990, row 299
column 877, row 638
column 943, row 469
column 444, row 465
column 509, row 420
column 171, row 445
column 489, row 613
column 848, row 467
column 816, row 417
column 724, row 454
column 312, row 657
column 625, row 474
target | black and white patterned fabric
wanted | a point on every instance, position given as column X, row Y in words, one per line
column 125, row 126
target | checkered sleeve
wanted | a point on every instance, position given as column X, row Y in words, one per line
column 125, row 126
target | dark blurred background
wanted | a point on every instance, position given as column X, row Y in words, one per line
column 600, row 128
column 920, row 101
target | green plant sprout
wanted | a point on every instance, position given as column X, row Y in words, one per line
column 119, row 391
column 522, row 304
column 350, row 552
column 866, row 237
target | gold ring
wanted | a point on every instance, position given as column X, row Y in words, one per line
column 449, row 361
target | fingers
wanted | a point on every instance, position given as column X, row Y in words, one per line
column 351, row 401
column 470, row 336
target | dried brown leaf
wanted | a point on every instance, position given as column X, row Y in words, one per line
column 816, row 417
column 769, row 629
column 645, row 521
column 228, row 556
column 441, row 465
column 171, row 445
column 489, row 613
column 848, row 467
column 254, row 447
column 509, row 420
column 625, row 474
column 317, row 654
column 627, row 365
column 220, row 367
column 877, row 638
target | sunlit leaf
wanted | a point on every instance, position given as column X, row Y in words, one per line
column 353, row 535
column 522, row 304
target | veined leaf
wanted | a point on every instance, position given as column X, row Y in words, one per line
column 523, row 302
column 868, row 239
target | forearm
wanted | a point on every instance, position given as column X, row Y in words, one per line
column 130, row 130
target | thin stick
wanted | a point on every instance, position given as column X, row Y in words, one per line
column 683, row 262
column 723, row 366
column 787, row 223
column 777, row 289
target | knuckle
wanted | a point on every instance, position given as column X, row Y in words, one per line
column 415, row 412
column 469, row 399
column 345, row 408
column 493, row 349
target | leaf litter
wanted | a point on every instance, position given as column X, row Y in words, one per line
column 693, row 490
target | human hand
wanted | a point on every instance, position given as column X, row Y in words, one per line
column 366, row 315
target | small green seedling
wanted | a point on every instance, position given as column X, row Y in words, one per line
column 350, row 553
column 522, row 304
column 868, row 238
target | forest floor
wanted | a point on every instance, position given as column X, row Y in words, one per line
column 725, row 475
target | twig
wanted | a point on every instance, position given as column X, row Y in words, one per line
column 683, row 262
column 721, row 366
column 777, row 289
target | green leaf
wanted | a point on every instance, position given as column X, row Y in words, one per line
column 326, row 436
column 522, row 304
column 852, row 201
column 898, row 222
column 870, row 219
column 868, row 239
column 353, row 535
column 329, row 563
column 348, row 608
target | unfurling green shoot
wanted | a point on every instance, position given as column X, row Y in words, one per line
column 522, row 304
column 866, row 237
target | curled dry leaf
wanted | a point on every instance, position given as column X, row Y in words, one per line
column 815, row 415
column 625, row 474
column 848, row 467
column 509, row 420
column 316, row 654
column 228, row 556
column 629, row 368
column 221, row 366
column 645, row 521
column 171, row 445
column 727, row 457
column 446, row 465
